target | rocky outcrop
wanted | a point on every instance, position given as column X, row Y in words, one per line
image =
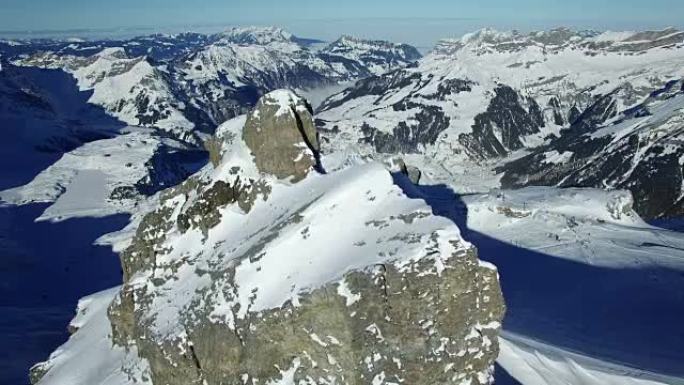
column 502, row 128
column 413, row 173
column 281, row 135
column 241, row 276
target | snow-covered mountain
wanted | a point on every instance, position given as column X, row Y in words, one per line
column 63, row 140
column 297, row 257
column 226, row 77
column 160, row 47
column 364, row 58
column 640, row 149
column 209, row 79
column 133, row 90
column 490, row 96
column 491, row 93
column 256, row 36
column 214, row 292
column 55, row 100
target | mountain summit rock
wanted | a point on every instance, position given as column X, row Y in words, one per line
column 281, row 135
column 241, row 276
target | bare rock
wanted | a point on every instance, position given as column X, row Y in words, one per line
column 281, row 135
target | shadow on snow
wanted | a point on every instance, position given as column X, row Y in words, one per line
column 44, row 269
column 633, row 317
column 43, row 114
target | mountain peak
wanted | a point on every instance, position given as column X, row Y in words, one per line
column 112, row 53
column 349, row 40
column 378, row 55
column 492, row 40
column 256, row 35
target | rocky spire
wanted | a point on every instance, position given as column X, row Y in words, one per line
column 281, row 135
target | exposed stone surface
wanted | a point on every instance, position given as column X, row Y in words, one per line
column 500, row 129
column 412, row 173
column 282, row 137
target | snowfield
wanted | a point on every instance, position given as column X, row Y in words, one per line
column 535, row 363
column 90, row 357
column 594, row 293
column 83, row 182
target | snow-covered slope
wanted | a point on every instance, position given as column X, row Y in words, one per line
column 368, row 57
column 535, row 363
column 130, row 89
column 90, row 356
column 108, row 176
column 491, row 93
column 42, row 114
column 593, row 292
column 580, row 224
column 639, row 149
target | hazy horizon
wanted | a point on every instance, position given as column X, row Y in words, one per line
column 392, row 29
column 418, row 23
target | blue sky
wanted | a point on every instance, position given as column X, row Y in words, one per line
column 416, row 21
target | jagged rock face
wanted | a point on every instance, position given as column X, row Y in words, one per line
column 281, row 135
column 238, row 277
column 638, row 150
column 504, row 125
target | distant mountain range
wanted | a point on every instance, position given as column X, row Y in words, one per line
column 165, row 93
column 491, row 95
